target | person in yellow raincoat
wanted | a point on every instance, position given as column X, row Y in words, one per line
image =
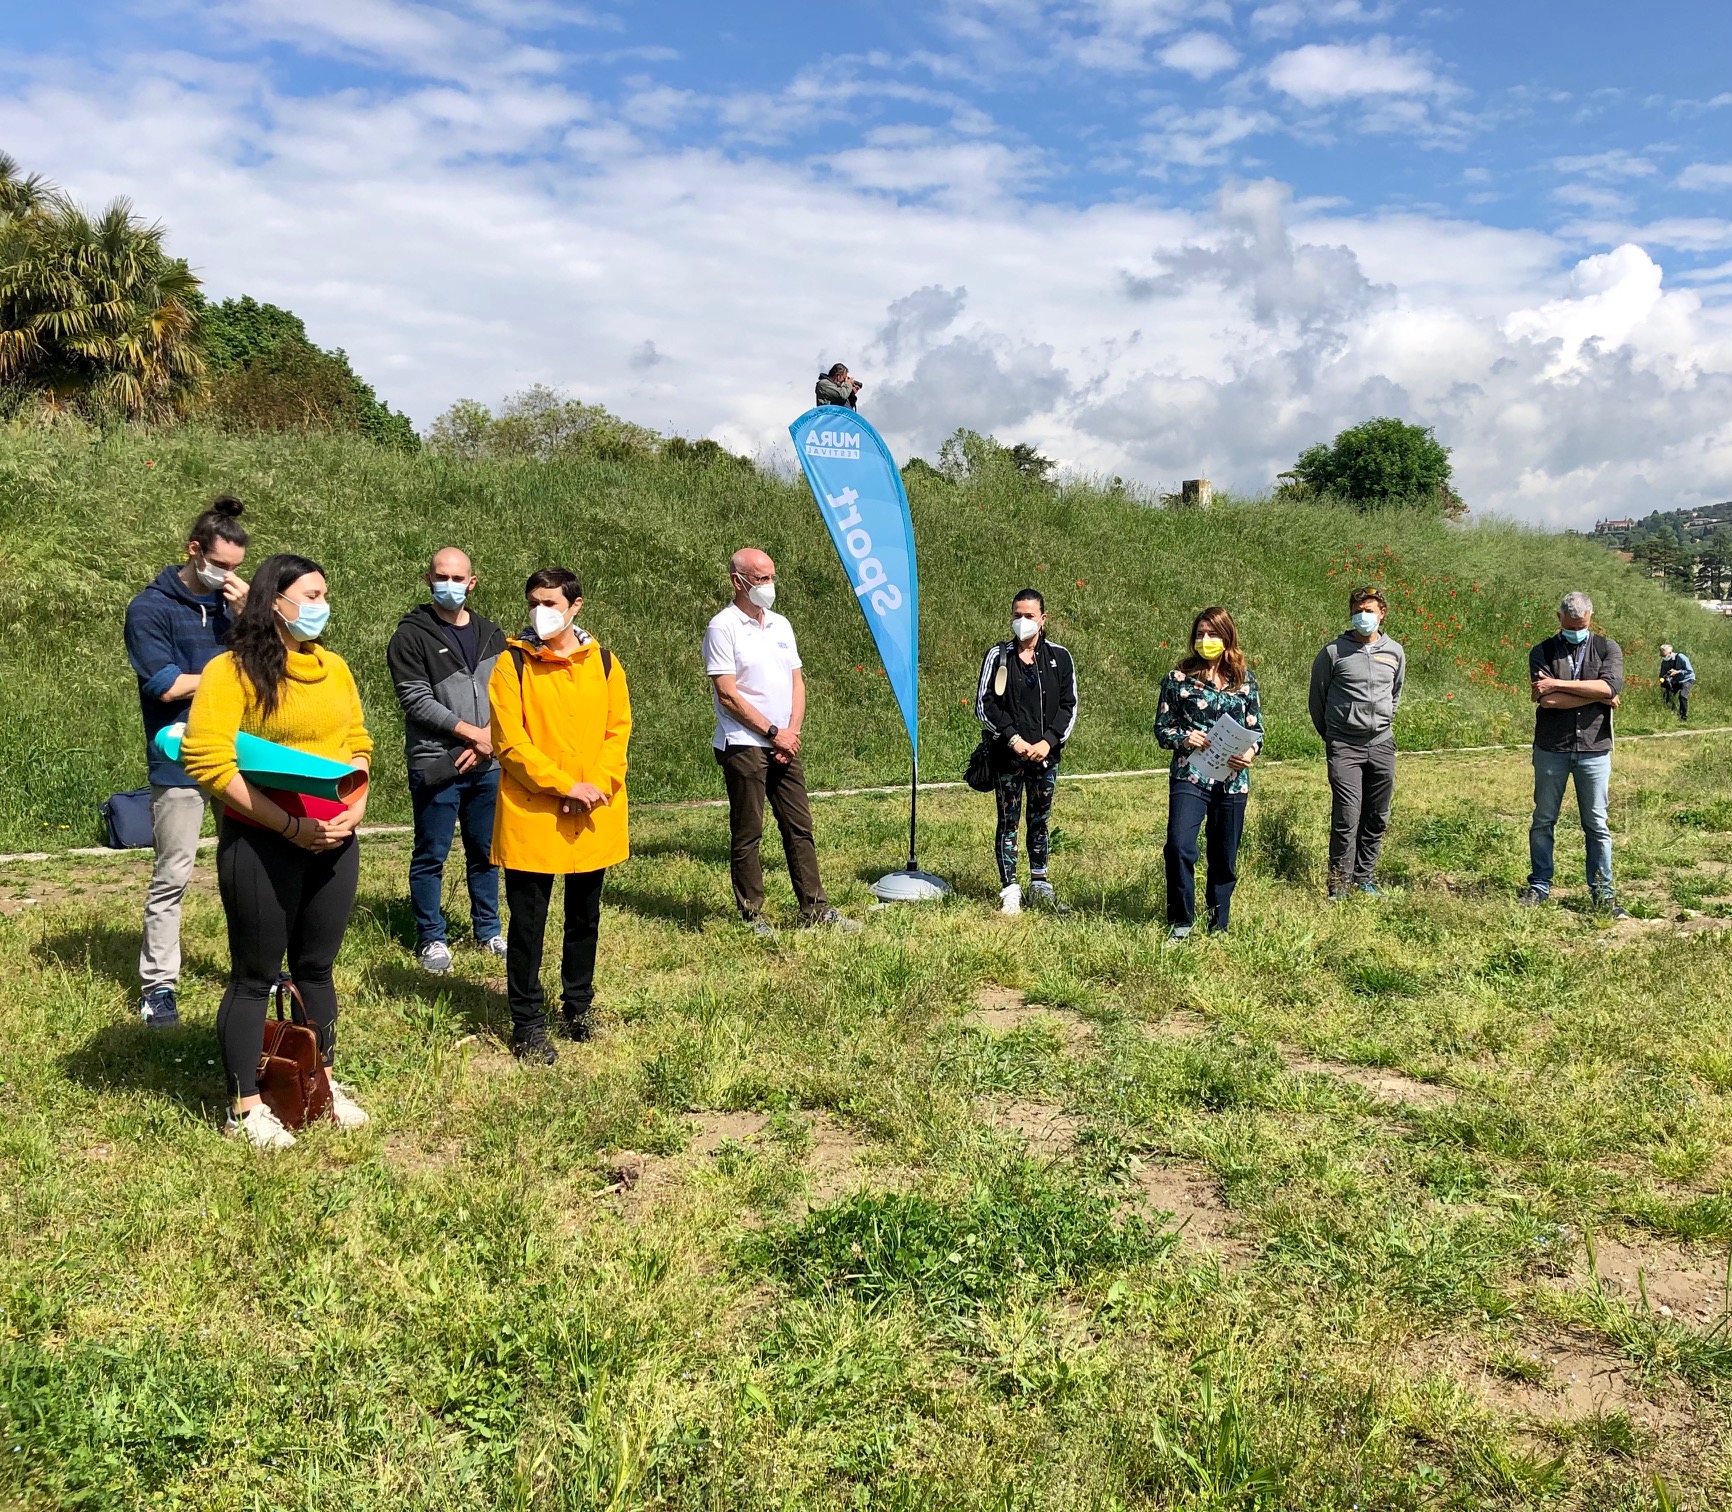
column 561, row 722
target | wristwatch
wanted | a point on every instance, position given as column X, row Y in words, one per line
column 772, row 732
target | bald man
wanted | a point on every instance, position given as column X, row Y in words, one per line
column 753, row 664
column 441, row 657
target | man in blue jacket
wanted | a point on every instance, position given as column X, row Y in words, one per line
column 172, row 629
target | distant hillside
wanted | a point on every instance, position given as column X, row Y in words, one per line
column 1686, row 527
column 87, row 518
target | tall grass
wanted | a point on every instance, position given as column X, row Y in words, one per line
column 86, row 519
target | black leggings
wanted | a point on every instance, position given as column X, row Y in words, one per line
column 280, row 900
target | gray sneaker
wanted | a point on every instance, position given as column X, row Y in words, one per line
column 1531, row 897
column 761, row 927
column 830, row 919
column 435, row 957
column 1041, row 895
column 1178, row 934
column 493, row 947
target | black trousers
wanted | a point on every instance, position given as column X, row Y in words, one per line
column 1188, row 805
column 527, row 895
column 1361, row 785
column 280, row 901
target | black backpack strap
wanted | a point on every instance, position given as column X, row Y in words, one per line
column 606, row 662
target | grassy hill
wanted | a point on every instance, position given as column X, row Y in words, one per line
column 86, row 519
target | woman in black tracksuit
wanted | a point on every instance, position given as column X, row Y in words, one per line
column 1027, row 704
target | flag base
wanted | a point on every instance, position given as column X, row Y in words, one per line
column 909, row 887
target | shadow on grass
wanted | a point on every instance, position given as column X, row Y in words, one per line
column 181, row 1066
column 709, row 846
column 108, row 950
column 680, row 909
column 391, row 914
column 479, row 1006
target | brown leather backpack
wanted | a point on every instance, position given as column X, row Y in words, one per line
column 292, row 1081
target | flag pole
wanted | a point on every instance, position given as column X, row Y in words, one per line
column 913, row 812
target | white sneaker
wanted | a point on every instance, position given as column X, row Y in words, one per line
column 350, row 1114
column 495, row 946
column 1010, row 899
column 261, row 1128
column 435, row 956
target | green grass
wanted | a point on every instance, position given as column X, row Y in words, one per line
column 86, row 520
column 450, row 1310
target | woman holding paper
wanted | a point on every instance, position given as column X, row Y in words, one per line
column 287, row 863
column 1210, row 719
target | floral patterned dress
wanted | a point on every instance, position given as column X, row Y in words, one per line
column 1188, row 703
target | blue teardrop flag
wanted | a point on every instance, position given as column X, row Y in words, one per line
column 865, row 509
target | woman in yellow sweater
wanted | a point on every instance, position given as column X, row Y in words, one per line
column 287, row 865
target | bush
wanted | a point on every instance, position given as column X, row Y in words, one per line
column 539, row 425
column 1383, row 462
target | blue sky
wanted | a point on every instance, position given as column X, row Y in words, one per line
column 1155, row 237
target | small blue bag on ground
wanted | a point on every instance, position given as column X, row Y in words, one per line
column 126, row 820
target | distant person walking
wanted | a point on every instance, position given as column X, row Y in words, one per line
column 287, row 865
column 441, row 659
column 1210, row 684
column 836, row 387
column 1576, row 676
column 173, row 628
column 1027, row 703
column 561, row 725
column 753, row 663
column 1356, row 685
column 1677, row 677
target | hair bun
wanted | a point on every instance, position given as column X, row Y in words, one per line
column 228, row 506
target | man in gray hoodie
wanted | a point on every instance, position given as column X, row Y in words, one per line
column 1355, row 690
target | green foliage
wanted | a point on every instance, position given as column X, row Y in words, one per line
column 541, row 425
column 95, row 317
column 1379, row 463
column 269, row 376
column 970, row 456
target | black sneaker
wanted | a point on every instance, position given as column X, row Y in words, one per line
column 534, row 1048
column 1531, row 897
column 159, row 1009
column 1614, row 910
column 577, row 1026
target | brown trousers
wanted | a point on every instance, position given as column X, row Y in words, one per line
column 752, row 777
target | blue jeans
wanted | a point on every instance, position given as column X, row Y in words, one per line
column 468, row 799
column 1593, row 774
column 1188, row 805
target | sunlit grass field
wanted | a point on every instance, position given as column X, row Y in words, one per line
column 1416, row 1203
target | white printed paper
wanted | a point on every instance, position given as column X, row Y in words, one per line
column 1227, row 739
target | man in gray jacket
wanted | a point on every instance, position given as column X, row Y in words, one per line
column 1355, row 690
column 441, row 658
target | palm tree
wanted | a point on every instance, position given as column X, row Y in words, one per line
column 93, row 312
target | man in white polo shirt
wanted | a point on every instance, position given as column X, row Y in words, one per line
column 754, row 666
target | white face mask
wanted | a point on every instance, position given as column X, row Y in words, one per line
column 548, row 622
column 1024, row 628
column 210, row 576
column 763, row 595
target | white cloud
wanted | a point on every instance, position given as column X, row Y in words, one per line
column 1196, row 139
column 469, row 239
column 1613, row 165
column 1200, row 54
column 1285, row 16
column 1326, row 73
column 1706, row 176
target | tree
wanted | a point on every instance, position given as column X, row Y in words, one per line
column 94, row 313
column 1379, row 463
column 540, row 423
column 969, row 455
column 1660, row 557
column 1714, row 564
column 266, row 374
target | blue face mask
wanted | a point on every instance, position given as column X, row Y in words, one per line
column 450, row 595
column 310, row 623
column 1576, row 637
column 1366, row 621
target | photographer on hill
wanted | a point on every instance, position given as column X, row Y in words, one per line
column 173, row 629
column 836, row 387
column 1677, row 678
